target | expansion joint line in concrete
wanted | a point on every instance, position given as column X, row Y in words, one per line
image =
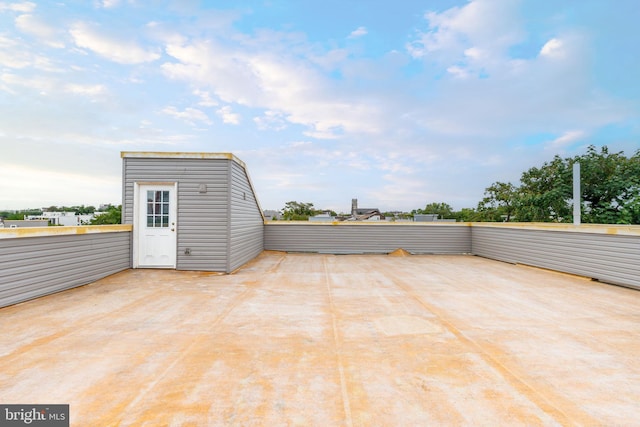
column 62, row 332
column 539, row 399
column 185, row 352
column 338, row 347
column 274, row 268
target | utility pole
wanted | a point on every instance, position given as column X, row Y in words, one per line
column 576, row 193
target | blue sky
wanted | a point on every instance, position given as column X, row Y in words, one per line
column 398, row 104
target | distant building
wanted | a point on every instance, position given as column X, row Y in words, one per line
column 430, row 218
column 425, row 217
column 63, row 218
column 323, row 217
column 270, row 215
column 21, row 223
column 364, row 214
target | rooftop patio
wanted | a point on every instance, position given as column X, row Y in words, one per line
column 331, row 340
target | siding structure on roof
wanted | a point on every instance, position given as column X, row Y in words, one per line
column 611, row 258
column 41, row 264
column 246, row 225
column 216, row 226
column 379, row 238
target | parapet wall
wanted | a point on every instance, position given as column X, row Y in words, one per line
column 609, row 253
column 368, row 237
column 39, row 261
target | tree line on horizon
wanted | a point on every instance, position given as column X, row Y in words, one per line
column 610, row 194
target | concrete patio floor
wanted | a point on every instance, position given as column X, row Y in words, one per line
column 322, row 340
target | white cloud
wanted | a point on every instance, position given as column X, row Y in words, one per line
column 23, row 7
column 290, row 85
column 107, row 4
column 15, row 59
column 189, row 115
column 205, row 98
column 553, row 48
column 40, row 84
column 228, row 116
column 330, row 60
column 35, row 26
column 486, row 92
column 476, row 35
column 566, row 139
column 6, row 42
column 209, row 65
column 115, row 49
column 475, row 53
column 458, row 72
column 285, row 180
column 90, row 90
column 298, row 144
column 397, row 189
column 45, row 85
column 16, row 53
column 271, row 120
column 359, row 32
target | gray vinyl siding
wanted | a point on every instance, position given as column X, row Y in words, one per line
column 222, row 227
column 246, row 225
column 606, row 257
column 201, row 218
column 32, row 267
column 345, row 238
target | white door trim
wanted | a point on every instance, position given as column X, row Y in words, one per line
column 136, row 217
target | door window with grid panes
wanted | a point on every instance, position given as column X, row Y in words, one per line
column 157, row 209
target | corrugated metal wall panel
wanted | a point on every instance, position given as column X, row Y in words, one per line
column 345, row 238
column 607, row 257
column 37, row 266
column 247, row 224
column 202, row 217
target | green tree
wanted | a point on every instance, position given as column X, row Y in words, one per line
column 444, row 210
column 545, row 193
column 499, row 202
column 113, row 215
column 296, row 211
column 468, row 215
column 19, row 214
column 83, row 210
column 610, row 191
column 610, row 186
column 398, row 215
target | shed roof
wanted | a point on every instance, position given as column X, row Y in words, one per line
column 180, row 155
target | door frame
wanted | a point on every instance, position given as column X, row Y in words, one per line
column 136, row 218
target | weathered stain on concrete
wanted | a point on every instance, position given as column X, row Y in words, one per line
column 331, row 341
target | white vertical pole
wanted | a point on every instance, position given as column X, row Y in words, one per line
column 576, row 193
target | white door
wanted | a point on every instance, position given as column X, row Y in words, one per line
column 156, row 226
